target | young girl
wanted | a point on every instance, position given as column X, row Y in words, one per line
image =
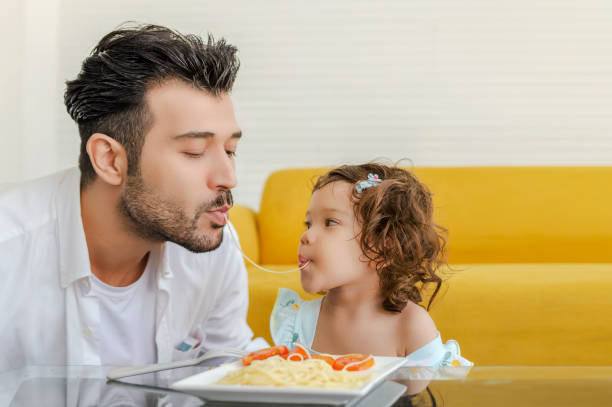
column 372, row 246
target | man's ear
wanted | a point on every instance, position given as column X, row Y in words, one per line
column 108, row 158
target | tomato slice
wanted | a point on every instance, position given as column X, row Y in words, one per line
column 329, row 359
column 297, row 354
column 265, row 353
column 353, row 362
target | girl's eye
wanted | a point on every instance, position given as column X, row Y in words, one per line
column 307, row 224
column 231, row 154
column 193, row 155
column 330, row 222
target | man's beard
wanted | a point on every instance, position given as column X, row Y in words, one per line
column 154, row 219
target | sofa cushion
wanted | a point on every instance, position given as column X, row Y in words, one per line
column 245, row 221
column 282, row 213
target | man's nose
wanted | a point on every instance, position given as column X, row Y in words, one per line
column 223, row 172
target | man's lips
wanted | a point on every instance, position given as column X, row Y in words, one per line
column 219, row 215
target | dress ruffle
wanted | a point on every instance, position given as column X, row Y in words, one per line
column 438, row 354
column 283, row 322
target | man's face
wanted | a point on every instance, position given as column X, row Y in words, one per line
column 182, row 191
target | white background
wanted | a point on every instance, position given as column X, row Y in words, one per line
column 450, row 83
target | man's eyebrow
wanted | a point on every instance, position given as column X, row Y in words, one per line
column 195, row 134
column 203, row 134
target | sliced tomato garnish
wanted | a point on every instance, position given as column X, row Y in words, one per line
column 265, row 353
column 329, row 359
column 298, row 353
column 353, row 362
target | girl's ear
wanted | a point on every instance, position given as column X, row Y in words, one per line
column 373, row 261
column 383, row 261
column 373, row 264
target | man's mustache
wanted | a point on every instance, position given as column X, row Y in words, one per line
column 224, row 198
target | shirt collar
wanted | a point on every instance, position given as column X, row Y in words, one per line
column 165, row 271
column 74, row 257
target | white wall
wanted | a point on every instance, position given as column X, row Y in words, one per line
column 11, row 93
column 471, row 82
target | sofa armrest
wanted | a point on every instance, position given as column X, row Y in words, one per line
column 244, row 220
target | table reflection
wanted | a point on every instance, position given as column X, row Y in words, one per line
column 421, row 387
column 84, row 386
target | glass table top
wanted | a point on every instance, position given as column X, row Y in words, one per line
column 478, row 386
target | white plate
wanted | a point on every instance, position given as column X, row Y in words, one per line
column 202, row 384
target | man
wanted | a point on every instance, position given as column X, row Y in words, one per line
column 130, row 261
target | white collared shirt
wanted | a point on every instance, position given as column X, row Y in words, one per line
column 49, row 312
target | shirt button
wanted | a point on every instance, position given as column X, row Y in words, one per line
column 86, row 285
column 88, row 331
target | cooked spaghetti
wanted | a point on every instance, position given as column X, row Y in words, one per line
column 276, row 371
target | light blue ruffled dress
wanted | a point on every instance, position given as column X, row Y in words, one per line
column 295, row 320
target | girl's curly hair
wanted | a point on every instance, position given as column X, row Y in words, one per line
column 397, row 231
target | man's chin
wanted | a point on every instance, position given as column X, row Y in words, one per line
column 207, row 242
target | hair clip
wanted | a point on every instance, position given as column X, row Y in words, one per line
column 372, row 181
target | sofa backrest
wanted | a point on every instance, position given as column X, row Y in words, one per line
column 493, row 214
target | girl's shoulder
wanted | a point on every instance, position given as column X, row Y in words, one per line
column 293, row 319
column 417, row 328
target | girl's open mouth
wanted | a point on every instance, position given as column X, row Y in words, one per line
column 302, row 261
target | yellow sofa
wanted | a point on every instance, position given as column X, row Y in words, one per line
column 530, row 254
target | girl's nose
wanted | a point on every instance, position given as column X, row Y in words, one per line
column 305, row 239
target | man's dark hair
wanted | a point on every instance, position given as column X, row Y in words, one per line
column 108, row 95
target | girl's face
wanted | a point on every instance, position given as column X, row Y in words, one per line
column 331, row 241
